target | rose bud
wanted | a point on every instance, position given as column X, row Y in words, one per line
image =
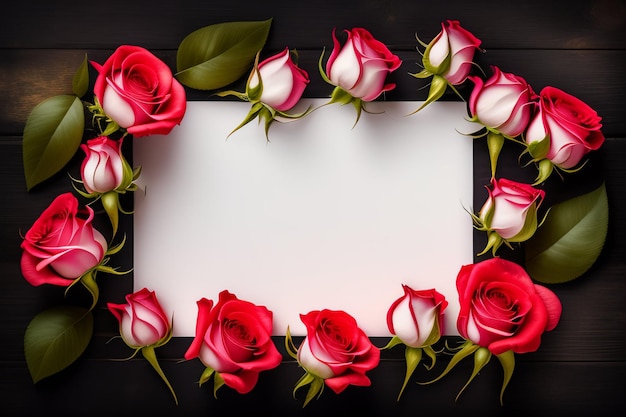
column 448, row 59
column 62, row 245
column 361, row 66
column 503, row 104
column 451, row 53
column 104, row 168
column 416, row 320
column 144, row 326
column 417, row 317
column 233, row 339
column 563, row 131
column 335, row 352
column 142, row 320
column 139, row 92
column 283, row 82
column 510, row 213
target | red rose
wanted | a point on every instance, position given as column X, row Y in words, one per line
column 62, row 244
column 138, row 91
column 501, row 309
column 336, row 350
column 234, row 339
column 571, row 126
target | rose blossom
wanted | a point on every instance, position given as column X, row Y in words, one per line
column 138, row 91
column 451, row 53
column 511, row 209
column 503, row 103
column 142, row 319
column 361, row 66
column 62, row 245
column 570, row 125
column 501, row 309
column 234, row 339
column 104, row 168
column 336, row 349
column 417, row 317
column 283, row 81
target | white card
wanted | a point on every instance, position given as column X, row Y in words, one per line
column 328, row 215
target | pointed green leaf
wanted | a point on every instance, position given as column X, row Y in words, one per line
column 214, row 56
column 52, row 135
column 570, row 239
column 55, row 338
column 80, row 83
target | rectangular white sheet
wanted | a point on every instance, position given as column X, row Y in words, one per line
column 326, row 215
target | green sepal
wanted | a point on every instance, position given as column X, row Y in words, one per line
column 55, row 338
column 412, row 357
column 394, row 341
column 507, row 360
column 290, row 347
column 544, row 170
column 218, row 382
column 52, row 135
column 254, row 93
column 482, row 355
column 206, row 375
column 539, row 148
column 495, row 142
column 88, row 281
column 316, row 387
column 466, row 349
column 442, row 68
column 252, row 114
column 438, row 86
column 111, row 203
column 215, row 56
column 80, row 82
column 150, row 355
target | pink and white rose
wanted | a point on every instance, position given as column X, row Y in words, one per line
column 139, row 92
column 417, row 317
column 451, row 53
column 510, row 212
column 62, row 245
column 283, row 82
column 142, row 320
column 361, row 65
column 571, row 126
column 504, row 103
column 104, row 168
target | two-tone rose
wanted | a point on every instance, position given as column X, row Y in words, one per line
column 233, row 340
column 416, row 321
column 509, row 213
column 138, row 92
column 336, row 352
column 562, row 132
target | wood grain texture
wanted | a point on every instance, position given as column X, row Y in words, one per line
column 580, row 368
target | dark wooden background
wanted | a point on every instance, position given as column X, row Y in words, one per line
column 578, row 46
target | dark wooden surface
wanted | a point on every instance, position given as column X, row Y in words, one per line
column 579, row 47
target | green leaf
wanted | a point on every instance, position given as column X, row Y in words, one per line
column 55, row 338
column 80, row 83
column 214, row 56
column 570, row 239
column 52, row 135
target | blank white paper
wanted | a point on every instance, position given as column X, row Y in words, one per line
column 327, row 215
